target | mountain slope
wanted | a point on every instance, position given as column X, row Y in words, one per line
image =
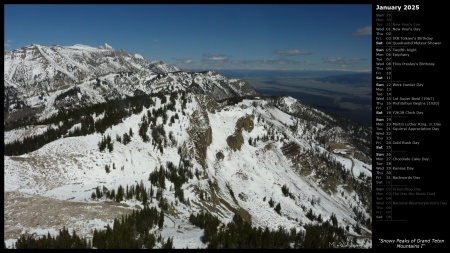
column 36, row 75
column 270, row 160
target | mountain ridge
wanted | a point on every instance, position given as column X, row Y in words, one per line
column 35, row 74
column 201, row 141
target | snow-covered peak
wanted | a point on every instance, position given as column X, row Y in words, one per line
column 161, row 67
column 138, row 56
column 106, row 46
column 81, row 47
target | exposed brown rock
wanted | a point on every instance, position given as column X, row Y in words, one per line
column 246, row 123
column 219, row 155
column 200, row 132
column 236, row 140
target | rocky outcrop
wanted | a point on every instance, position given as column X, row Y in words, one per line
column 246, row 123
column 236, row 140
column 201, row 138
column 200, row 133
column 219, row 156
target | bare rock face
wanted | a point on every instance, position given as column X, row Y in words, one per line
column 203, row 146
column 236, row 140
column 201, row 139
column 200, row 133
column 246, row 123
column 219, row 156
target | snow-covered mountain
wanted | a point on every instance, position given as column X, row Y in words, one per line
column 106, row 119
column 35, row 75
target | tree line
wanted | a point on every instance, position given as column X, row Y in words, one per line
column 239, row 234
column 130, row 232
column 109, row 114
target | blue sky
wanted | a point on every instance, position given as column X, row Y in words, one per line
column 199, row 36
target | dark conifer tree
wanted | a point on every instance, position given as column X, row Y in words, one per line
column 278, row 208
column 161, row 219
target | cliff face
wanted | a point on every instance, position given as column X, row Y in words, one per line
column 200, row 132
column 236, row 140
column 245, row 123
column 201, row 139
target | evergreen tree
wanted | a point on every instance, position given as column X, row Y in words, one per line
column 119, row 194
column 278, row 208
column 113, row 194
column 334, row 220
column 126, row 138
column 161, row 219
column 310, row 215
column 285, row 190
column 144, row 198
column 98, row 193
column 168, row 244
column 271, row 202
column 149, row 240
